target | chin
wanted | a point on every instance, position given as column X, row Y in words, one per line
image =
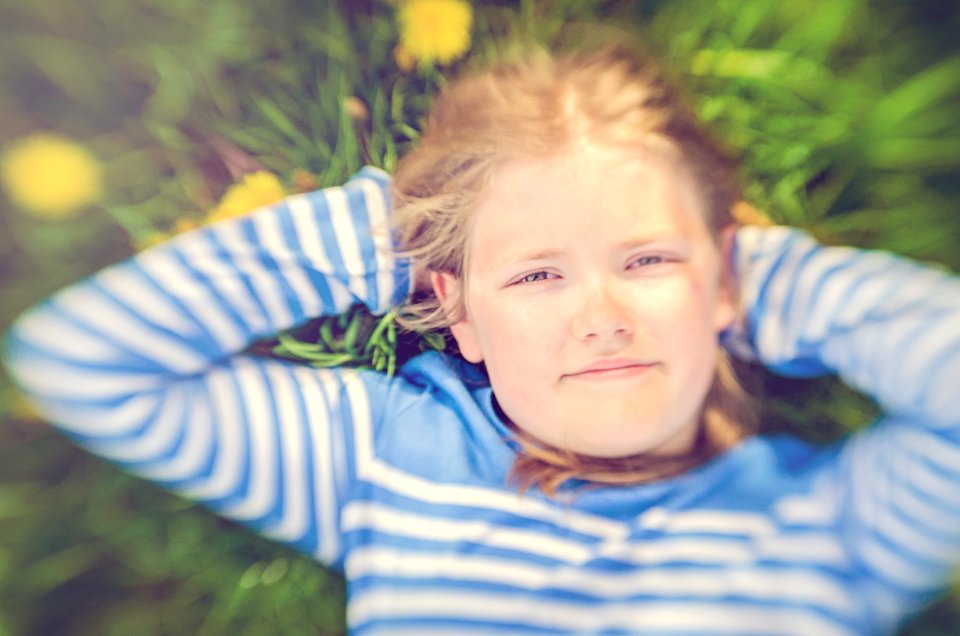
column 614, row 446
column 623, row 441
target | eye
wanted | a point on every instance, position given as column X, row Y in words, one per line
column 645, row 261
column 534, row 277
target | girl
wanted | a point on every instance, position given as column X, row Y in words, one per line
column 588, row 464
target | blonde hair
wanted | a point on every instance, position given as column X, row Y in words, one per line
column 538, row 107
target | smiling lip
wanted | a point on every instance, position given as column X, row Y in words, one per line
column 612, row 369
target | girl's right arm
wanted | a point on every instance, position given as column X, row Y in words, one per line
column 143, row 362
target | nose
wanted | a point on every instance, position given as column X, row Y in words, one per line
column 602, row 315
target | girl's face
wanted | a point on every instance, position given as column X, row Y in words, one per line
column 594, row 296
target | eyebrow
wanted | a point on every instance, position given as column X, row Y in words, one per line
column 548, row 253
column 507, row 260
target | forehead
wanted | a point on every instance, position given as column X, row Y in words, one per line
column 596, row 195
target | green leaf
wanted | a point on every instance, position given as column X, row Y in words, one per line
column 743, row 63
column 276, row 117
column 936, row 85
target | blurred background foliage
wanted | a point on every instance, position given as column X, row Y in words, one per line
column 843, row 111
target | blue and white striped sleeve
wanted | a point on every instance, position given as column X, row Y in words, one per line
column 890, row 328
column 886, row 325
column 143, row 362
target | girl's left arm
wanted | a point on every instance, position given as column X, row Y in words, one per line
column 890, row 328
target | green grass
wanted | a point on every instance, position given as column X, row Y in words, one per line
column 842, row 110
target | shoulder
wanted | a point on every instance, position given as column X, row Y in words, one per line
column 440, row 424
column 763, row 470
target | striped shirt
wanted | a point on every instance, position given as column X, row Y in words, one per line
column 400, row 483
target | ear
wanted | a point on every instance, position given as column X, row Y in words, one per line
column 727, row 294
column 449, row 291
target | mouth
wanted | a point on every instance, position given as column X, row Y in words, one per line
column 612, row 370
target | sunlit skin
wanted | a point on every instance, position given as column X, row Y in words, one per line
column 594, row 295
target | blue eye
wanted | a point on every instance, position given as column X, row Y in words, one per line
column 643, row 261
column 536, row 277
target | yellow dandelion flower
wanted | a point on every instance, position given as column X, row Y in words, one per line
column 434, row 30
column 50, row 175
column 745, row 213
column 183, row 224
column 256, row 190
column 156, row 237
column 355, row 107
column 304, row 181
column 405, row 61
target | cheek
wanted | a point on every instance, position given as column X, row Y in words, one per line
column 518, row 353
column 521, row 341
column 684, row 313
column 516, row 328
column 703, row 289
column 677, row 299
